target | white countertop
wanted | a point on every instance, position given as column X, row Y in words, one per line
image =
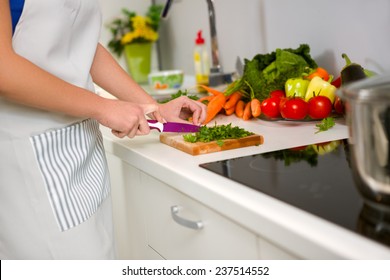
column 272, row 219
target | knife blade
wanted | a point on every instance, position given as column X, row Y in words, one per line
column 173, row 126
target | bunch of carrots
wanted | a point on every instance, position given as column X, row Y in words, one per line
column 219, row 102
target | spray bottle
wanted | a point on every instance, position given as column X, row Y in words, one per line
column 201, row 60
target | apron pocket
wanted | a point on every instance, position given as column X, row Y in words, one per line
column 74, row 168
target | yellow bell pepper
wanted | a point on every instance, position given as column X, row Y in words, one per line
column 318, row 86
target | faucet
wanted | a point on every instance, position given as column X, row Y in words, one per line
column 217, row 77
column 214, row 42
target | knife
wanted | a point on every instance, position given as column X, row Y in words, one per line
column 173, row 126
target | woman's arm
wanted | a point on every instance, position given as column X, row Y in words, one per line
column 43, row 90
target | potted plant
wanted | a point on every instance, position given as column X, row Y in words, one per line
column 133, row 35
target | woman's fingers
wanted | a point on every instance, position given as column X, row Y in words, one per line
column 198, row 112
column 128, row 119
column 179, row 109
column 118, row 133
column 152, row 110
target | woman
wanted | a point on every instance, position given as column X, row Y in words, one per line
column 54, row 184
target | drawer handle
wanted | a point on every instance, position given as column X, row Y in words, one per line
column 184, row 222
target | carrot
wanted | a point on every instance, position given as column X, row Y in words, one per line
column 230, row 111
column 206, row 98
column 255, row 107
column 247, row 112
column 214, row 106
column 210, row 90
column 232, row 100
column 240, row 108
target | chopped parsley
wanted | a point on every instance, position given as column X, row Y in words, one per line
column 216, row 133
column 325, row 124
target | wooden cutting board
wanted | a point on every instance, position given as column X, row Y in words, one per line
column 176, row 141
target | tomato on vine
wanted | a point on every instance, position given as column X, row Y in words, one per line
column 294, row 108
column 277, row 93
column 270, row 107
column 339, row 106
column 320, row 107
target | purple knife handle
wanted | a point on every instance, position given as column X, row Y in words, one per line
column 153, row 124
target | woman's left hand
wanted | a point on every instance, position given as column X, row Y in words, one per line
column 181, row 108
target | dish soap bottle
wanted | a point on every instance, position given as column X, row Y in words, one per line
column 201, row 61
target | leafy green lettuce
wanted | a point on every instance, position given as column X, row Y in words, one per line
column 268, row 72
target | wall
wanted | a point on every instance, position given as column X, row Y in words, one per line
column 247, row 27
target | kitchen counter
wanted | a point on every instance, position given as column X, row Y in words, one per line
column 303, row 234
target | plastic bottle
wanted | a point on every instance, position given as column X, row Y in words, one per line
column 201, row 60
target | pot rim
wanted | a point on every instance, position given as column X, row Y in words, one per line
column 375, row 88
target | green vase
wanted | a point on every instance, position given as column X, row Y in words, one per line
column 138, row 58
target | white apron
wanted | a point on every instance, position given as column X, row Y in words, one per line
column 54, row 182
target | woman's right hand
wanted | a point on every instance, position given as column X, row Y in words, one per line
column 126, row 118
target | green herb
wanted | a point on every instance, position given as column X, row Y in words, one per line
column 220, row 143
column 325, row 124
column 216, row 133
column 190, row 138
column 177, row 95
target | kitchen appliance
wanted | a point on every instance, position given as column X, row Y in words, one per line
column 317, row 179
column 368, row 119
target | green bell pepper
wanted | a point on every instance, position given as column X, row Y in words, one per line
column 296, row 87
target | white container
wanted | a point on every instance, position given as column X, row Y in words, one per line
column 201, row 60
column 166, row 82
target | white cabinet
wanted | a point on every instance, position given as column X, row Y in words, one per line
column 128, row 207
column 270, row 251
column 155, row 221
column 168, row 233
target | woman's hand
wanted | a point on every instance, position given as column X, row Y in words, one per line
column 181, row 108
column 126, row 118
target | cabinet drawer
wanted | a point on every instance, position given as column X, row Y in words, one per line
column 218, row 237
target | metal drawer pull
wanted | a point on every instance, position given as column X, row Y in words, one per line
column 184, row 222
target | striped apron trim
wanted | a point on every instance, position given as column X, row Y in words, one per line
column 74, row 168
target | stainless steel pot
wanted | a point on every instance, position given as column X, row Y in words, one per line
column 368, row 118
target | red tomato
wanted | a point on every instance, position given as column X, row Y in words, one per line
column 339, row 106
column 270, row 107
column 337, row 82
column 294, row 108
column 281, row 102
column 278, row 93
column 320, row 107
